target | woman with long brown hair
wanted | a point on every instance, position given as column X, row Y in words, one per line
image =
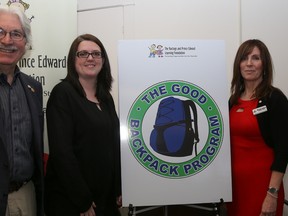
column 259, row 144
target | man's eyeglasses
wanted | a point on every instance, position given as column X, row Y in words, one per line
column 86, row 54
column 14, row 35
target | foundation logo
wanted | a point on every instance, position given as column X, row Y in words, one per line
column 186, row 133
column 20, row 4
column 160, row 51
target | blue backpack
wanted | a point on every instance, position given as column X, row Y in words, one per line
column 175, row 131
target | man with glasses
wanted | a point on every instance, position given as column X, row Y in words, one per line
column 21, row 121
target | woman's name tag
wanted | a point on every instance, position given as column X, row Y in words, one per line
column 259, row 110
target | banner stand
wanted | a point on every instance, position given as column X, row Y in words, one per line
column 215, row 207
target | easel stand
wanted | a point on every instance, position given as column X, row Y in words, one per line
column 132, row 210
column 215, row 208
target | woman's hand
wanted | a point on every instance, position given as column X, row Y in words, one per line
column 90, row 211
column 269, row 206
column 119, row 201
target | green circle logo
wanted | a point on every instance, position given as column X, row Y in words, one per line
column 173, row 164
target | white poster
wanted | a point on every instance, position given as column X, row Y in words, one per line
column 173, row 108
column 54, row 27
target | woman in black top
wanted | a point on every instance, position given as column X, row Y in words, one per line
column 83, row 169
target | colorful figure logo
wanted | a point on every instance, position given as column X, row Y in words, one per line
column 155, row 50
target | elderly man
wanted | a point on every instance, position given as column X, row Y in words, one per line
column 21, row 121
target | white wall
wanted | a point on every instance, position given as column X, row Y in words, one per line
column 266, row 20
column 161, row 19
column 232, row 21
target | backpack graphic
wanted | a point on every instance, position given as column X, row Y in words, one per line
column 175, row 132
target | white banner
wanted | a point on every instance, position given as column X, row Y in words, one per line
column 54, row 27
column 175, row 143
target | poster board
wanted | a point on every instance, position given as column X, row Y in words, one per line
column 54, row 27
column 161, row 167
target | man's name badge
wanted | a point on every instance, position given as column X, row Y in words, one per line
column 259, row 110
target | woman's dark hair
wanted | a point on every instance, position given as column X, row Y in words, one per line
column 104, row 79
column 237, row 83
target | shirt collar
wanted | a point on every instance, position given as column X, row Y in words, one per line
column 3, row 77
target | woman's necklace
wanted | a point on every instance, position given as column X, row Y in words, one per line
column 97, row 102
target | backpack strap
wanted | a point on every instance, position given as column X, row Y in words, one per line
column 190, row 104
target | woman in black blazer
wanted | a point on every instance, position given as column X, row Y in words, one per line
column 83, row 169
